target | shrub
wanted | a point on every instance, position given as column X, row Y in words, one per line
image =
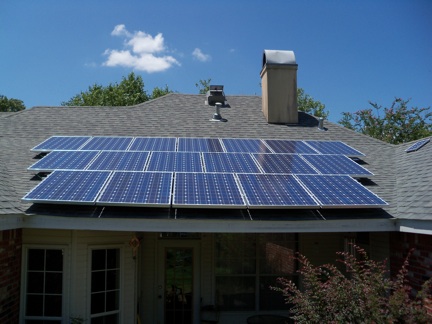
column 362, row 293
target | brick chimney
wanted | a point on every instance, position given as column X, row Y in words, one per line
column 279, row 87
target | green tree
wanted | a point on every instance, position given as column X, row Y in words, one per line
column 395, row 124
column 203, row 86
column 307, row 104
column 362, row 293
column 11, row 104
column 159, row 92
column 130, row 91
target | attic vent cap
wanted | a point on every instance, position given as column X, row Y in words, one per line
column 217, row 116
column 215, row 94
column 279, row 57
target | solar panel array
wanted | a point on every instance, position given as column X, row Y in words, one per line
column 417, row 145
column 201, row 172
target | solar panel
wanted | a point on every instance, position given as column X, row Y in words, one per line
column 334, row 147
column 66, row 160
column 61, row 143
column 275, row 191
column 417, row 145
column 340, row 192
column 175, row 161
column 213, row 190
column 119, row 160
column 238, row 145
column 284, row 146
column 138, row 189
column 80, row 187
column 283, row 163
column 153, row 144
column 108, row 143
column 186, row 144
column 336, row 164
column 230, row 162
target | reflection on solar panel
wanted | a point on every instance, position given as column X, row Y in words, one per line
column 153, row 144
column 239, row 145
column 334, row 147
column 230, row 162
column 186, row 144
column 61, row 143
column 275, row 190
column 175, row 161
column 66, row 160
column 284, row 163
column 340, row 192
column 336, row 164
column 108, row 143
column 283, row 146
column 417, row 145
column 120, row 160
column 207, row 189
column 138, row 188
column 69, row 187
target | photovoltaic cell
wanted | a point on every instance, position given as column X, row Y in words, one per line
column 61, row 143
column 334, row 147
column 283, row 163
column 186, row 144
column 284, row 146
column 153, row 144
column 275, row 191
column 244, row 145
column 230, row 162
column 138, row 189
column 214, row 190
column 336, row 164
column 417, row 145
column 69, row 187
column 340, row 192
column 119, row 160
column 108, row 143
column 66, row 160
column 175, row 161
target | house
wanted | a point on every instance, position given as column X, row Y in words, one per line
column 105, row 263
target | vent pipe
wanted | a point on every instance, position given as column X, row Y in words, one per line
column 217, row 116
column 321, row 123
column 279, row 87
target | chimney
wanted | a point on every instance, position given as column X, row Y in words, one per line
column 279, row 87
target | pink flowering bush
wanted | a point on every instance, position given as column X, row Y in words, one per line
column 362, row 293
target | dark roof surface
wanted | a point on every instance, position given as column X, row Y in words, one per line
column 179, row 115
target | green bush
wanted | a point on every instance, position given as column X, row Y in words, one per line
column 362, row 293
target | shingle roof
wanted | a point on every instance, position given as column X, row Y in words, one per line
column 180, row 115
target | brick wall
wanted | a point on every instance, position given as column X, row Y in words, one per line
column 420, row 262
column 10, row 275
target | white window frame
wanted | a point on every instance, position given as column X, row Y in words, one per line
column 121, row 283
column 66, row 278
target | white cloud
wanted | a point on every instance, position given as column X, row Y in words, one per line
column 140, row 52
column 200, row 56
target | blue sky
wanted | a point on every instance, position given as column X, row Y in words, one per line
column 348, row 52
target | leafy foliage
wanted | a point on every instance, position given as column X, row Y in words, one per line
column 159, row 92
column 364, row 293
column 11, row 104
column 397, row 124
column 203, row 86
column 130, row 91
column 307, row 104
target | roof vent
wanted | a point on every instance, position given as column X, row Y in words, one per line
column 217, row 116
column 215, row 94
column 321, row 124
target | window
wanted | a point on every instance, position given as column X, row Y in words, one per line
column 105, row 286
column 43, row 285
column 248, row 264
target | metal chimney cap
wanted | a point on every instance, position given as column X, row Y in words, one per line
column 279, row 57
